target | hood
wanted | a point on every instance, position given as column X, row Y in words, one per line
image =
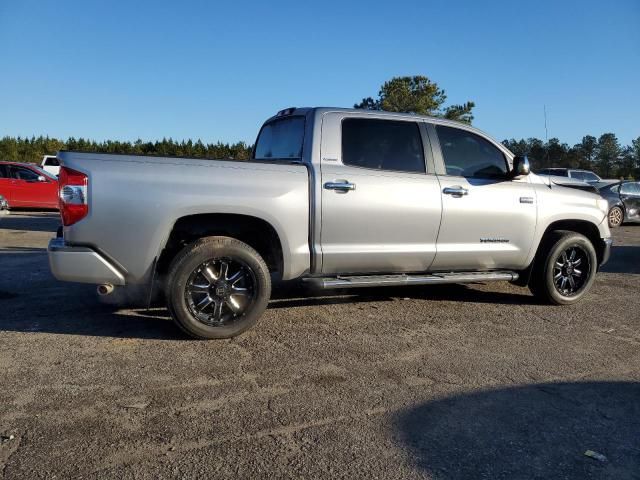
column 552, row 180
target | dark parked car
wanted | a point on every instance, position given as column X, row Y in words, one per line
column 624, row 201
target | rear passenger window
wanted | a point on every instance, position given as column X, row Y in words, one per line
column 382, row 145
column 469, row 155
column 630, row 188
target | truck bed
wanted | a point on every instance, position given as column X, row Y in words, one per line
column 134, row 201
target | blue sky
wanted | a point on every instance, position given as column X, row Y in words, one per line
column 216, row 70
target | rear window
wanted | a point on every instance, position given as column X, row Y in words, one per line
column 280, row 139
column 52, row 162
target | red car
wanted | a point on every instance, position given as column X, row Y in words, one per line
column 28, row 185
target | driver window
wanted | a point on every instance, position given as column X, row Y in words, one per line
column 24, row 174
column 469, row 155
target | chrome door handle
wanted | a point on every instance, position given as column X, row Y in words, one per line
column 341, row 186
column 455, row 191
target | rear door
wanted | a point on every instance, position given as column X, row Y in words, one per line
column 488, row 219
column 380, row 203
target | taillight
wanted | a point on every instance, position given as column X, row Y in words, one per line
column 73, row 196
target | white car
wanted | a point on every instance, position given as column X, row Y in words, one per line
column 51, row 164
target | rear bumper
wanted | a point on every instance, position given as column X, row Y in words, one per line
column 81, row 264
column 606, row 251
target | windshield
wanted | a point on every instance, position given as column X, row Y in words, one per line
column 590, row 177
column 42, row 171
column 280, row 139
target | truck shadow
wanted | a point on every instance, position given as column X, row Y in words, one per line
column 624, row 259
column 28, row 221
column 295, row 294
column 74, row 309
column 536, row 431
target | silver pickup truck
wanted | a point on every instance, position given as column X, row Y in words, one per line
column 338, row 198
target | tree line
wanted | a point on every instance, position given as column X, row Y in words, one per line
column 603, row 155
column 25, row 149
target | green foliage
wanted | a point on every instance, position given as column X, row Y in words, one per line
column 604, row 155
column 417, row 94
column 32, row 149
column 608, row 153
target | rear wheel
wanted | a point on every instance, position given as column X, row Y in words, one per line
column 217, row 287
column 565, row 269
column 616, row 217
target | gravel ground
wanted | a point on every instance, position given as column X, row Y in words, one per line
column 441, row 382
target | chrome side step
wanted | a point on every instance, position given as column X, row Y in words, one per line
column 356, row 281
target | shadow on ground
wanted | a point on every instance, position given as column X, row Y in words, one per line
column 294, row 294
column 76, row 310
column 624, row 259
column 538, row 431
column 30, row 222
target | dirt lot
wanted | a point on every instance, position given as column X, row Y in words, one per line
column 455, row 382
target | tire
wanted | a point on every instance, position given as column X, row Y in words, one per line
column 559, row 276
column 209, row 301
column 616, row 217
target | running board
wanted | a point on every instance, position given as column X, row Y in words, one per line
column 355, row 281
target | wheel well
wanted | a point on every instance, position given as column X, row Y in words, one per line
column 583, row 227
column 253, row 231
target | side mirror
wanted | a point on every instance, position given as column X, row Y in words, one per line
column 520, row 166
column 41, row 178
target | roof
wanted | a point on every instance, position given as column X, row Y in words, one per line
column 22, row 164
column 382, row 113
column 361, row 111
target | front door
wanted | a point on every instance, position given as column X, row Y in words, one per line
column 380, row 206
column 488, row 218
column 630, row 196
column 28, row 191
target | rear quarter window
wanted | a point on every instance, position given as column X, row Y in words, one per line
column 280, row 139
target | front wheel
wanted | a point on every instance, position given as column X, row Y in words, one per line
column 217, row 287
column 616, row 217
column 565, row 269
